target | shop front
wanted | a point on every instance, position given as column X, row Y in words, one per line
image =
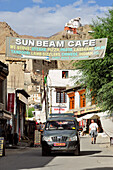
column 19, row 118
column 5, row 116
column 84, row 116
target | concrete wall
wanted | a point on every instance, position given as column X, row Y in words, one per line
column 15, row 78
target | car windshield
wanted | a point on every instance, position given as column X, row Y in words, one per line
column 60, row 125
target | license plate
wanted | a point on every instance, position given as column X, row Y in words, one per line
column 59, row 144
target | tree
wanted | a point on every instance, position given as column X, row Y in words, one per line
column 98, row 74
column 30, row 111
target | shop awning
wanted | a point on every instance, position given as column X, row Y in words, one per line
column 22, row 95
column 4, row 114
column 92, row 116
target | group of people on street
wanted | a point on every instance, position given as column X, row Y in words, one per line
column 40, row 126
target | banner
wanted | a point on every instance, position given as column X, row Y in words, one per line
column 56, row 49
column 10, row 106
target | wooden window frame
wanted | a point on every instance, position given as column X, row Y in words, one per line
column 71, row 100
column 82, row 97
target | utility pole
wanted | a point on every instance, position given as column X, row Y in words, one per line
column 44, row 93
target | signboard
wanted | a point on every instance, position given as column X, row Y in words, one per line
column 10, row 107
column 23, row 98
column 86, row 110
column 59, row 109
column 1, row 145
column 37, row 138
column 55, row 49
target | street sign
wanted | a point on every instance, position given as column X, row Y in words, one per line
column 55, row 49
column 1, row 145
column 37, row 138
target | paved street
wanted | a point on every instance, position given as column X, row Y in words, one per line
column 97, row 156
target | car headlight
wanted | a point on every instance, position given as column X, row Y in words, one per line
column 46, row 138
column 73, row 138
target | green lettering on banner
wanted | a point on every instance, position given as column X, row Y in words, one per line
column 1, row 146
column 55, row 58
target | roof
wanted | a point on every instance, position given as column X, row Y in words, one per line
column 54, row 118
column 73, row 89
column 60, row 118
column 61, row 115
column 22, row 91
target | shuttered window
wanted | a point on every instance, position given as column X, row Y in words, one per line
column 82, row 98
column 71, row 100
column 61, row 97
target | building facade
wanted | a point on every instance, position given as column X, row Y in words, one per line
column 64, row 96
column 57, row 82
column 5, row 116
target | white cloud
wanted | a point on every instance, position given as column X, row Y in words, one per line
column 77, row 3
column 46, row 21
column 38, row 1
column 105, row 9
column 91, row 2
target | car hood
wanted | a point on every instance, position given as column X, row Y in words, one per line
column 60, row 133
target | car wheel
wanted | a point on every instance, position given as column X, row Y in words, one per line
column 44, row 152
column 77, row 151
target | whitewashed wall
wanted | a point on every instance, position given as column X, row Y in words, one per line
column 54, row 80
column 77, row 100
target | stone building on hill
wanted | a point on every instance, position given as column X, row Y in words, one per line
column 72, row 25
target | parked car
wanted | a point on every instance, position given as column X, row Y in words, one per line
column 61, row 135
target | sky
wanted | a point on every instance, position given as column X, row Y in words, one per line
column 47, row 17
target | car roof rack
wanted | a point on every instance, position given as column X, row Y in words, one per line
column 61, row 115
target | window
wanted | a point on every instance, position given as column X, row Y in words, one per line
column 61, row 97
column 82, row 98
column 71, row 100
column 64, row 74
column 72, row 103
column 61, row 125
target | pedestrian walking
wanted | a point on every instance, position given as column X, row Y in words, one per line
column 93, row 129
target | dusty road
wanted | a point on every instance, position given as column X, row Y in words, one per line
column 93, row 157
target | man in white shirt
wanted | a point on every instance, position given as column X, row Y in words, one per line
column 93, row 129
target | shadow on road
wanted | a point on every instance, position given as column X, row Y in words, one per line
column 103, row 156
column 102, row 168
column 26, row 160
column 103, row 143
column 83, row 153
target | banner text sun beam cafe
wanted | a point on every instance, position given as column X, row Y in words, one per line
column 56, row 49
